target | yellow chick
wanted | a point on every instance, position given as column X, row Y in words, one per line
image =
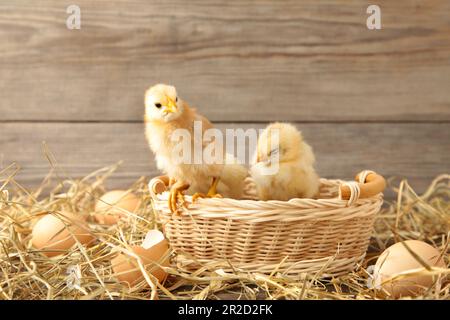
column 165, row 114
column 283, row 165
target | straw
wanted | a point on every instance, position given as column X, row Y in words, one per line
column 26, row 273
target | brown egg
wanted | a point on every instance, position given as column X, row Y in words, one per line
column 154, row 247
column 108, row 207
column 397, row 259
column 53, row 233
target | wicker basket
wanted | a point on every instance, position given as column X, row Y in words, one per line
column 328, row 235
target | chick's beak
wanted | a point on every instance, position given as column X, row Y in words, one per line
column 171, row 107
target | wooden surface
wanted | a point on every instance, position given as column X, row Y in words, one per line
column 364, row 99
column 240, row 60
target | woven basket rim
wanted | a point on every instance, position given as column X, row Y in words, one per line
column 294, row 201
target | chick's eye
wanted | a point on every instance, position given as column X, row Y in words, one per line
column 158, row 105
column 176, row 99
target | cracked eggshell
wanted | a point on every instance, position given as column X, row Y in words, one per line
column 108, row 207
column 152, row 250
column 397, row 259
column 55, row 233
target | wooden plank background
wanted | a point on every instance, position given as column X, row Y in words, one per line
column 375, row 99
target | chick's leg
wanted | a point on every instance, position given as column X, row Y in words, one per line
column 212, row 192
column 176, row 193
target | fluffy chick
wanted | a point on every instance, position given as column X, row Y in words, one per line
column 165, row 112
column 283, row 168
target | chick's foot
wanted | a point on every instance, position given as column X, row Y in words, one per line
column 176, row 195
column 212, row 192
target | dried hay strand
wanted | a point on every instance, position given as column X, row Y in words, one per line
column 86, row 272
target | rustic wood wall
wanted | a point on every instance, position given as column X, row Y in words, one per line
column 377, row 99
